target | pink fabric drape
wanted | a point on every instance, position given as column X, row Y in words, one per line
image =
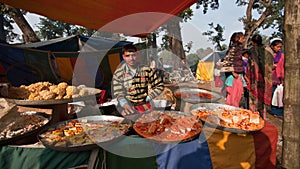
column 218, row 82
column 278, row 72
column 234, row 92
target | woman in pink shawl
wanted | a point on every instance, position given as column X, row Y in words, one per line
column 278, row 70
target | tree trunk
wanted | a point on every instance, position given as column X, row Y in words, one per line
column 29, row 35
column 250, row 24
column 175, row 38
column 291, row 122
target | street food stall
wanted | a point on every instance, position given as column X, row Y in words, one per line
column 183, row 137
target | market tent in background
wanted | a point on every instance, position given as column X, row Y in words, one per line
column 133, row 18
column 55, row 61
column 206, row 66
column 75, row 43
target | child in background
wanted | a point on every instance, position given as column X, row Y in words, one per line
column 233, row 66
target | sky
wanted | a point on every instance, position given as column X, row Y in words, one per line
column 227, row 16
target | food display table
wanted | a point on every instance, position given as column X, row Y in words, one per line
column 212, row 149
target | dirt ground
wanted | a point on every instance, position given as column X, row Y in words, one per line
column 278, row 123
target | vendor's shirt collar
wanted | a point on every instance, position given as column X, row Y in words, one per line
column 128, row 70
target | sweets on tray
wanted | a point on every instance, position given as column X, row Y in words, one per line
column 47, row 91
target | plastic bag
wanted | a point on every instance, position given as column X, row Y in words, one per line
column 280, row 95
column 277, row 99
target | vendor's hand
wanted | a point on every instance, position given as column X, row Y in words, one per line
column 127, row 110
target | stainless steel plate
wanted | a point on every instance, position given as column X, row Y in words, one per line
column 194, row 98
column 213, row 121
column 85, row 146
column 29, row 136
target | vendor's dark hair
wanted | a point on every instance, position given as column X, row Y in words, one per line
column 128, row 48
column 257, row 39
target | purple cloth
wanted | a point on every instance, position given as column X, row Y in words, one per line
column 277, row 57
column 245, row 63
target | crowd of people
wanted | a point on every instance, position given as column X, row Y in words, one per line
column 254, row 75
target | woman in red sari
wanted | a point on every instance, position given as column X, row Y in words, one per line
column 259, row 74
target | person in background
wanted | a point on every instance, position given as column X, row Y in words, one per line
column 259, row 73
column 160, row 68
column 245, row 100
column 152, row 63
column 233, row 66
column 218, row 81
column 161, row 63
column 278, row 71
column 131, row 83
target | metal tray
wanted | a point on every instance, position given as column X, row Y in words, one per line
column 166, row 142
column 85, row 147
column 92, row 93
column 214, row 122
column 30, row 136
column 194, row 99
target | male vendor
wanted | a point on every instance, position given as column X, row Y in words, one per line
column 132, row 83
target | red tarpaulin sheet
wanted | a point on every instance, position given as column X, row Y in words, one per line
column 134, row 17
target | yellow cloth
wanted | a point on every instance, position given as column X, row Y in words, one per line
column 205, row 71
column 239, row 147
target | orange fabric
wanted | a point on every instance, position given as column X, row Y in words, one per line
column 238, row 147
column 110, row 16
column 114, row 61
column 65, row 68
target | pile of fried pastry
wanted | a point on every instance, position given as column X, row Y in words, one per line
column 47, row 91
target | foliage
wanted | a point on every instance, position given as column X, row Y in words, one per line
column 51, row 29
column 213, row 4
column 110, row 35
column 188, row 46
column 7, row 24
column 192, row 59
column 203, row 52
column 216, row 35
column 185, row 16
column 270, row 14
